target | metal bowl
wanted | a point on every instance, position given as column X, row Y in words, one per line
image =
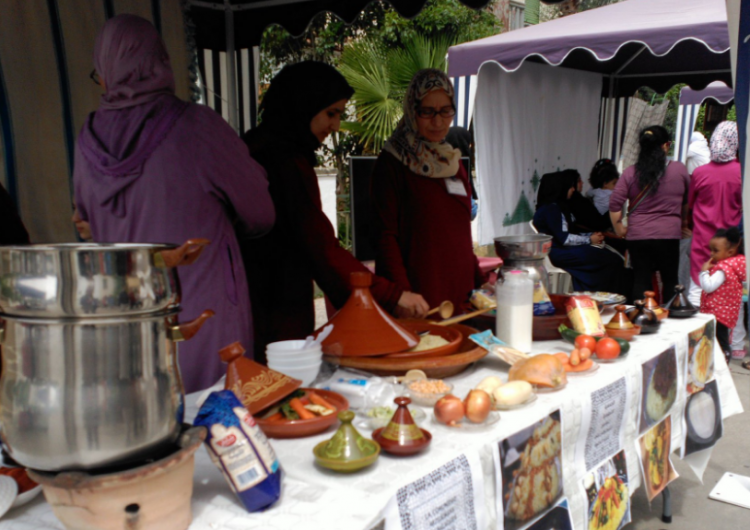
column 91, row 279
column 525, row 247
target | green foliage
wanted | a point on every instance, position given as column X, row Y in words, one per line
column 441, row 18
column 380, row 76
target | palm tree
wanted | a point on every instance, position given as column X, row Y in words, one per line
column 380, row 77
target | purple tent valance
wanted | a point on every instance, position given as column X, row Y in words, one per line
column 639, row 42
column 717, row 90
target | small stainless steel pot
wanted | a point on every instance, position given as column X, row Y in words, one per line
column 83, row 394
column 92, row 279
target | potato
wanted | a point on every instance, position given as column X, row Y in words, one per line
column 512, row 393
column 488, row 384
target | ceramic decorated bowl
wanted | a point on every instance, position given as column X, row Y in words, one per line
column 302, row 428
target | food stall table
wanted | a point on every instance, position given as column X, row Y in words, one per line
column 315, row 498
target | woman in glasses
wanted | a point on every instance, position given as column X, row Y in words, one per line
column 422, row 200
column 302, row 106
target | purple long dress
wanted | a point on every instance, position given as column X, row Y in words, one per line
column 150, row 168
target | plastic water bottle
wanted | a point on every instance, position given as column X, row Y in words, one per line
column 515, row 310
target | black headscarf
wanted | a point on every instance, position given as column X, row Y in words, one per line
column 554, row 188
column 297, row 93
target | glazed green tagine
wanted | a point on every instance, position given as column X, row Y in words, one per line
column 348, row 450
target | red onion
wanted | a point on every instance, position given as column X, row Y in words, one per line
column 477, row 404
column 449, row 409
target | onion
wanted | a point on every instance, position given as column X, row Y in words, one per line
column 477, row 404
column 449, row 409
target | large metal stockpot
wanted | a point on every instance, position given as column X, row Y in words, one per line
column 92, row 279
column 87, row 393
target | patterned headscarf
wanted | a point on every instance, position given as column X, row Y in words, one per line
column 724, row 142
column 429, row 159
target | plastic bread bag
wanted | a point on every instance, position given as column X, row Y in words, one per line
column 240, row 450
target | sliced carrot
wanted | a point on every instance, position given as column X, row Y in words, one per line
column 582, row 366
column 318, row 400
column 300, row 409
column 575, row 357
column 585, row 353
column 275, row 417
column 563, row 357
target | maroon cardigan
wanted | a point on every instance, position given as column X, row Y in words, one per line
column 301, row 247
column 423, row 233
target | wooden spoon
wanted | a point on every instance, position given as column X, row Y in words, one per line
column 445, row 309
column 461, row 318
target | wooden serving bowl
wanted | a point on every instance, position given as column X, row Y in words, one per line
column 626, row 334
column 302, row 428
column 433, row 367
column 419, row 326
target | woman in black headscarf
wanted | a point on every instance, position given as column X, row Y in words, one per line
column 301, row 108
column 591, row 268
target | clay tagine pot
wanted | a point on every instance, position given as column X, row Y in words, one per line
column 402, row 436
column 645, row 318
column 362, row 328
column 347, row 450
column 620, row 320
column 257, row 386
column 620, row 327
column 651, row 303
column 679, row 306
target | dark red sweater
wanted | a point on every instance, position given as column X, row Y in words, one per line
column 301, row 247
column 423, row 233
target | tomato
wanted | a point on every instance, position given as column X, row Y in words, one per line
column 586, row 341
column 607, row 348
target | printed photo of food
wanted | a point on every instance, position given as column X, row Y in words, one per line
column 531, row 464
column 703, row 420
column 700, row 361
column 655, row 447
column 608, row 494
column 659, row 388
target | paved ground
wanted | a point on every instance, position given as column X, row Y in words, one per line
column 691, row 507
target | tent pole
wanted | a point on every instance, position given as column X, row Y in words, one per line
column 231, row 66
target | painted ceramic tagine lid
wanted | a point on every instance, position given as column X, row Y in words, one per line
column 402, row 436
column 347, row 450
column 257, row 386
column 362, row 328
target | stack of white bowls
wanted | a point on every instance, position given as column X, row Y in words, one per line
column 290, row 358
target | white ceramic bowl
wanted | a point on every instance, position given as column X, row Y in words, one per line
column 290, row 356
column 299, row 365
column 306, row 375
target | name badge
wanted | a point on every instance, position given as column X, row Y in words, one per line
column 455, row 186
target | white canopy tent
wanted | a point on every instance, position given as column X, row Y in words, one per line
column 610, row 52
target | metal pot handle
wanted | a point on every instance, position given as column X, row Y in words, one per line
column 185, row 254
column 187, row 330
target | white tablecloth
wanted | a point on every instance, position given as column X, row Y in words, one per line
column 314, row 498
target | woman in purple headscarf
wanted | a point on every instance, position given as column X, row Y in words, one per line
column 151, row 168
